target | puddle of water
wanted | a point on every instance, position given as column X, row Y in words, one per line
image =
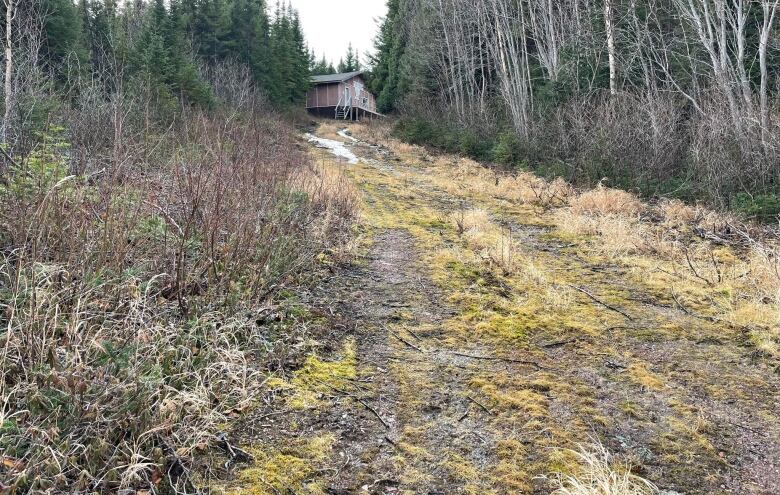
column 336, row 147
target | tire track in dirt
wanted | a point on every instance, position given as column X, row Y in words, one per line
column 418, row 390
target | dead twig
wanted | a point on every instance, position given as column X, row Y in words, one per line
column 679, row 304
column 481, row 406
column 715, row 264
column 693, row 269
column 358, row 399
column 236, row 454
column 396, row 335
column 599, row 301
column 558, row 344
column 507, row 360
column 688, row 312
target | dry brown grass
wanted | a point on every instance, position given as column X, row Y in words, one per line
column 601, row 474
column 618, row 235
column 493, row 243
column 132, row 300
column 329, row 129
column 671, row 237
column 606, row 201
column 677, row 213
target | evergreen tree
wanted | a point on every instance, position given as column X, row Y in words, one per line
column 387, row 80
column 164, row 40
column 99, row 21
column 300, row 83
column 64, row 37
column 289, row 58
column 211, row 28
column 163, row 65
column 351, row 62
column 321, row 67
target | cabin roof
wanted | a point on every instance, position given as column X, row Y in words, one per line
column 335, row 78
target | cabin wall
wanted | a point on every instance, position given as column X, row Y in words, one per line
column 371, row 103
column 328, row 95
column 324, row 95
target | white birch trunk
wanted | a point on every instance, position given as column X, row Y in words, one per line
column 10, row 13
column 609, row 25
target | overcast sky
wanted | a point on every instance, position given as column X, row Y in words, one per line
column 330, row 25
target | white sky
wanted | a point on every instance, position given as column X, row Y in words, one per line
column 330, row 25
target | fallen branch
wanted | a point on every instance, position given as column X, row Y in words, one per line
column 358, row 399
column 406, row 342
column 679, row 304
column 508, row 360
column 711, row 319
column 693, row 269
column 236, row 454
column 373, row 411
column 558, row 344
column 482, row 406
column 599, row 301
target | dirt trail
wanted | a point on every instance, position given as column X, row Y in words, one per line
column 468, row 379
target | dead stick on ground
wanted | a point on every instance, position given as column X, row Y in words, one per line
column 711, row 319
column 407, row 342
column 597, row 300
column 358, row 399
column 508, row 360
column 483, row 407
column 680, row 305
column 559, row 343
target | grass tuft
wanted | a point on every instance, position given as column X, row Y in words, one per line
column 600, row 474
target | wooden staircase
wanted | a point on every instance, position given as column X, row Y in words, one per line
column 344, row 107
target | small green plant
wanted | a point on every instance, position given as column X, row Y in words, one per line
column 508, row 149
column 763, row 207
column 44, row 168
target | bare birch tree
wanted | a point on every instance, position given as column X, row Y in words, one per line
column 609, row 28
column 769, row 11
column 8, row 94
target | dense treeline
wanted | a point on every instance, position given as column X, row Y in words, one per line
column 675, row 97
column 61, row 52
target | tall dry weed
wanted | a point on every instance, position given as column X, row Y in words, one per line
column 132, row 300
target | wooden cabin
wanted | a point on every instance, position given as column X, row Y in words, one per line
column 341, row 96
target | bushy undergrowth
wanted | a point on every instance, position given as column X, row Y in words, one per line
column 656, row 147
column 132, row 295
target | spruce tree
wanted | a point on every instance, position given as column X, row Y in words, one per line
column 64, row 37
column 351, row 62
column 301, row 74
column 321, row 67
column 387, row 79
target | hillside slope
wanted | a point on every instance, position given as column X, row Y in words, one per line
column 496, row 325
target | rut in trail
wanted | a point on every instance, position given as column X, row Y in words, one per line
column 419, row 394
column 474, row 345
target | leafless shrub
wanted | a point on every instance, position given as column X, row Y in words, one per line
column 620, row 136
column 232, row 84
column 732, row 160
column 129, row 296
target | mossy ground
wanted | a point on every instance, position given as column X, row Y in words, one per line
column 490, row 338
